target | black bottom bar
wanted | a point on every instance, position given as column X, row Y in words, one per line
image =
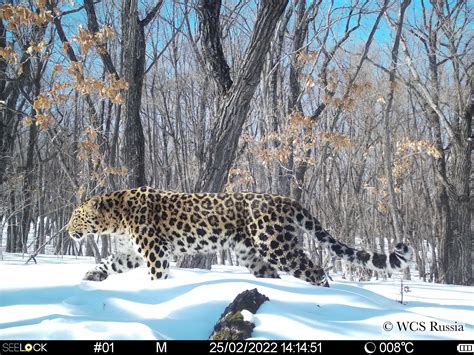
column 127, row 347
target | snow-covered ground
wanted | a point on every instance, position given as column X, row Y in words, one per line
column 49, row 301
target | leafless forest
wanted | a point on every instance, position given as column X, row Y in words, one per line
column 361, row 110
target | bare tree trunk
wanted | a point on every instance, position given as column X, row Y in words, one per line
column 134, row 50
column 387, row 139
column 92, row 249
column 9, row 94
column 32, row 68
column 274, row 103
column 235, row 96
column 294, row 97
column 453, row 190
column 12, row 225
column 104, row 252
column 461, row 249
column 134, row 47
column 27, row 188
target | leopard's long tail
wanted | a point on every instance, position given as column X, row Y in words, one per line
column 398, row 259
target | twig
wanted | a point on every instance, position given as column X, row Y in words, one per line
column 35, row 254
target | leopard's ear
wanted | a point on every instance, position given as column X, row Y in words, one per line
column 96, row 203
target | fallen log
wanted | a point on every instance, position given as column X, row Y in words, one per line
column 235, row 322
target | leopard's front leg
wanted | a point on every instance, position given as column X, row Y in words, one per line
column 157, row 260
column 156, row 251
column 124, row 259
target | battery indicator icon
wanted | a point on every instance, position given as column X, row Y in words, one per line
column 465, row 348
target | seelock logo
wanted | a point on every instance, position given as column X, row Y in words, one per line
column 17, row 347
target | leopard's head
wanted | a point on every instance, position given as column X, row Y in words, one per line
column 95, row 216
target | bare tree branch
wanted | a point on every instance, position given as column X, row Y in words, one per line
column 151, row 15
column 209, row 16
column 94, row 28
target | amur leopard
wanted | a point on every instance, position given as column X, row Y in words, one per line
column 262, row 230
